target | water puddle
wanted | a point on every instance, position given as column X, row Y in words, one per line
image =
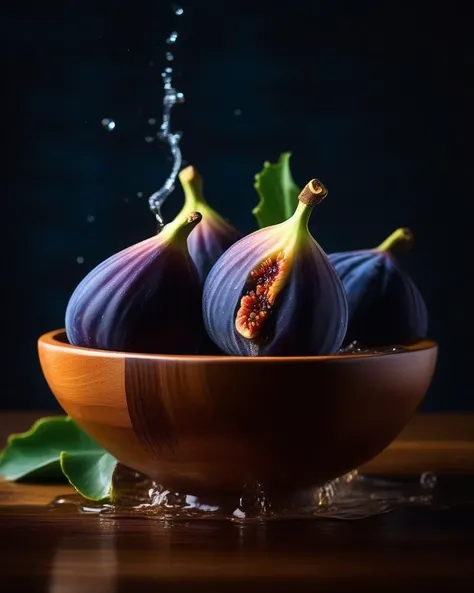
column 350, row 497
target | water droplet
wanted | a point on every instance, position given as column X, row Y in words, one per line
column 149, row 139
column 139, row 194
column 237, row 111
column 152, row 121
column 428, row 480
column 108, row 124
column 159, row 217
column 171, row 97
column 172, row 38
column 80, row 259
column 90, row 218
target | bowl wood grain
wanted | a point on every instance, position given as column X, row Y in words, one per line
column 207, row 423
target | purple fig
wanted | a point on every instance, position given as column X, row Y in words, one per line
column 274, row 292
column 214, row 235
column 385, row 306
column 146, row 298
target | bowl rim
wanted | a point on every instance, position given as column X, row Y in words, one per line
column 50, row 339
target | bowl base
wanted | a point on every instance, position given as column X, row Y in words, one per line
column 349, row 497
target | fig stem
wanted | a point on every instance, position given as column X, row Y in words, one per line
column 192, row 185
column 313, row 193
column 400, row 240
column 179, row 229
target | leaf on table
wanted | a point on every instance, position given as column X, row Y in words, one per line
column 57, row 448
column 37, row 451
column 278, row 192
column 90, row 473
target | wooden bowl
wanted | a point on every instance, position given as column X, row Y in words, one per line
column 211, row 423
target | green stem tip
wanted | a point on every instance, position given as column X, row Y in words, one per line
column 192, row 185
column 181, row 226
column 312, row 193
column 400, row 240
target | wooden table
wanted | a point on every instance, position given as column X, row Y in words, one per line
column 410, row 550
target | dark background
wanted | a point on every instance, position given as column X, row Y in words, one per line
column 374, row 98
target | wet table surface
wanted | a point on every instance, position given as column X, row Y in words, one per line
column 405, row 550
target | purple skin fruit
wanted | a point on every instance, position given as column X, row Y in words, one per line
column 274, row 292
column 214, row 235
column 146, row 298
column 385, row 306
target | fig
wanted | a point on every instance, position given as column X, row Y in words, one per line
column 214, row 235
column 275, row 293
column 385, row 306
column 146, row 298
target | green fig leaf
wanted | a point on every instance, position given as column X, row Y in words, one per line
column 57, row 449
column 90, row 473
column 278, row 192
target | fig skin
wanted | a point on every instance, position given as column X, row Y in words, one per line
column 214, row 235
column 385, row 305
column 300, row 300
column 146, row 298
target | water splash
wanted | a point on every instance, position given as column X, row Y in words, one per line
column 171, row 97
column 428, row 480
column 358, row 348
column 172, row 38
column 348, row 498
column 108, row 124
